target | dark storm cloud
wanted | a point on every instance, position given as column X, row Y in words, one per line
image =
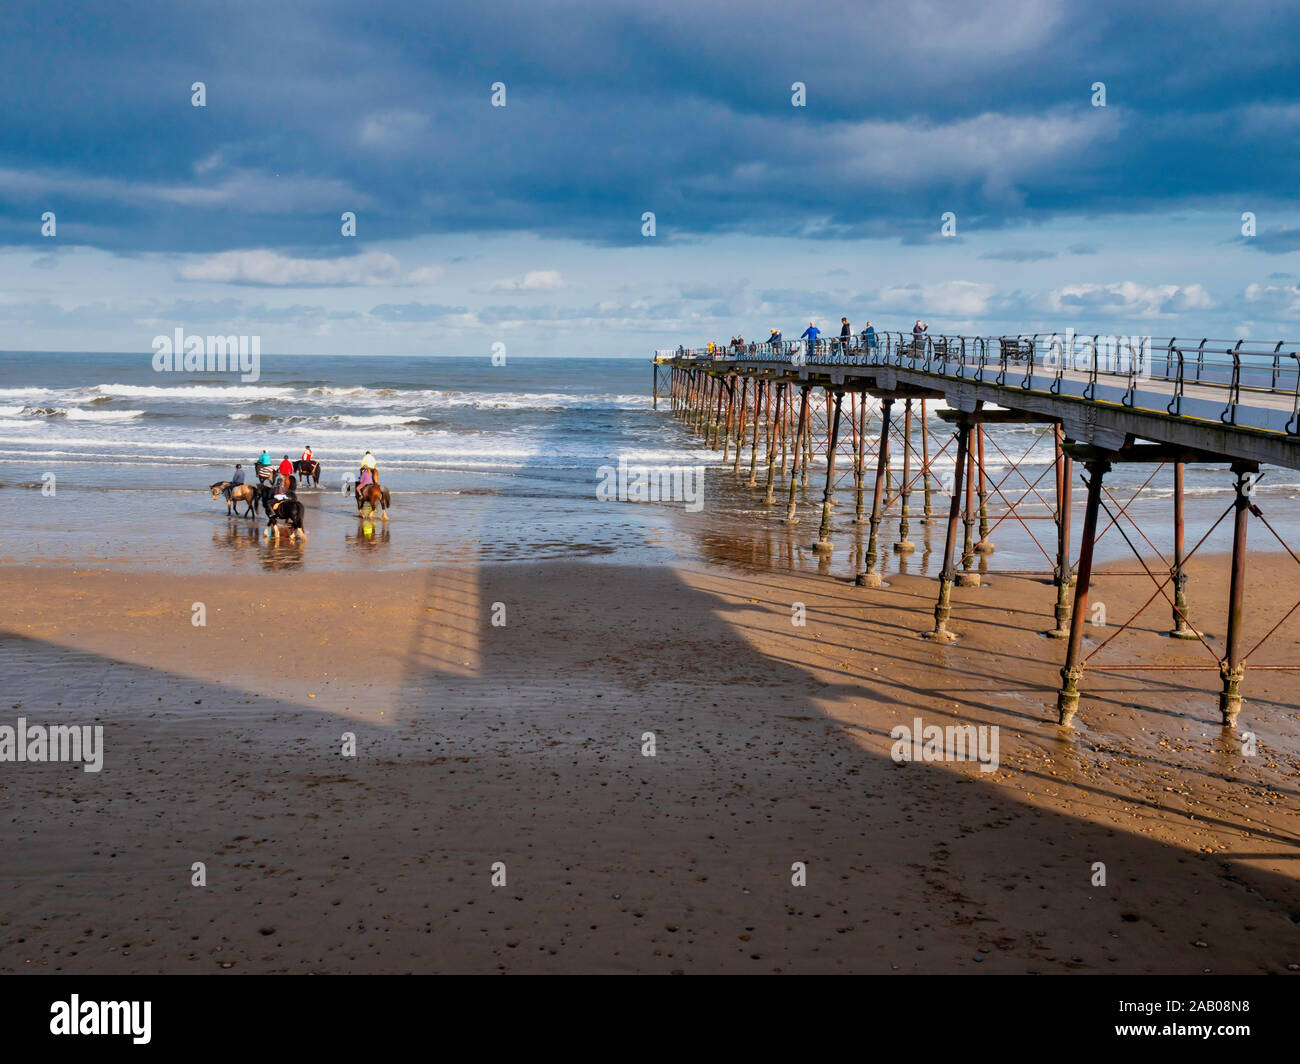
column 620, row 108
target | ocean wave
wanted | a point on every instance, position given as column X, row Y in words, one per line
column 76, row 414
column 234, row 392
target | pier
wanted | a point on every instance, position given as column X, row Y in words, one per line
column 863, row 411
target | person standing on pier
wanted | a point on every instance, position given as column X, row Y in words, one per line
column 775, row 340
column 869, row 337
column 810, row 334
column 846, row 336
column 918, row 334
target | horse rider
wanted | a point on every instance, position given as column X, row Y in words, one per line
column 235, row 481
column 263, row 461
column 368, row 462
column 285, row 471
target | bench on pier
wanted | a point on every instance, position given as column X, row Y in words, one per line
column 1016, row 350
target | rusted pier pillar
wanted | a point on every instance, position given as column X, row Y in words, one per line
column 1063, row 574
column 726, row 432
column 943, row 608
column 927, row 513
column 800, row 431
column 869, row 577
column 1181, row 629
column 777, row 430
column 740, row 421
column 1231, row 668
column 1067, row 701
column 905, row 545
column 984, row 546
column 717, row 413
column 823, row 544
column 859, row 451
column 807, row 453
column 968, row 577
column 760, row 387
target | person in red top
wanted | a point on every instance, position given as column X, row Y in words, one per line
column 286, row 470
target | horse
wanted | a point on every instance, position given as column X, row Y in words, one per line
column 308, row 470
column 288, row 510
column 374, row 496
column 244, row 493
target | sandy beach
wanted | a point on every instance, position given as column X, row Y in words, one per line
column 523, row 743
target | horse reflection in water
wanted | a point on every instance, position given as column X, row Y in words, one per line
column 272, row 553
column 369, row 535
column 236, row 537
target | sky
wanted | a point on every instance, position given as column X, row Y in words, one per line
column 799, row 162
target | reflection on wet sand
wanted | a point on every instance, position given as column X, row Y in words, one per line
column 369, row 535
column 274, row 554
column 755, row 547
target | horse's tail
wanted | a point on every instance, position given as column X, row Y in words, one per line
column 383, row 493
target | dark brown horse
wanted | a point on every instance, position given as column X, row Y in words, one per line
column 308, row 471
column 375, row 496
column 244, row 493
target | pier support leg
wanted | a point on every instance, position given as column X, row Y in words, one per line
column 759, row 389
column 859, row 453
column 718, row 414
column 1063, row 576
column 740, row 422
column 967, row 577
column 869, row 577
column 984, row 546
column 1181, row 629
column 823, row 544
column 905, row 545
column 777, row 427
column 791, row 517
column 943, row 608
column 800, row 431
column 928, row 512
column 1231, row 668
column 726, row 432
column 1067, row 701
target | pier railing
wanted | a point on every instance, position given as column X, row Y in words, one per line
column 1251, row 383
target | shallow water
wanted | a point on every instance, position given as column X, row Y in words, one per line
column 485, row 464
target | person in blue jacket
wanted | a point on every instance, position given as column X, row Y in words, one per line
column 810, row 334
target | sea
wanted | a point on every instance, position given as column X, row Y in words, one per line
column 105, row 460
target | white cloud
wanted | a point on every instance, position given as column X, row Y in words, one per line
column 947, row 299
column 1279, row 300
column 1129, row 299
column 533, row 281
column 263, row 267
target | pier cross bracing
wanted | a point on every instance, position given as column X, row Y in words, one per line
column 861, row 416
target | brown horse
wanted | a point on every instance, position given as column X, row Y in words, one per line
column 375, row 496
column 244, row 493
column 308, row 470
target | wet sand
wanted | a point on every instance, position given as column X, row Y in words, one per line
column 522, row 744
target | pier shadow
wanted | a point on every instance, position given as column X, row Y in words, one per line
column 650, row 752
